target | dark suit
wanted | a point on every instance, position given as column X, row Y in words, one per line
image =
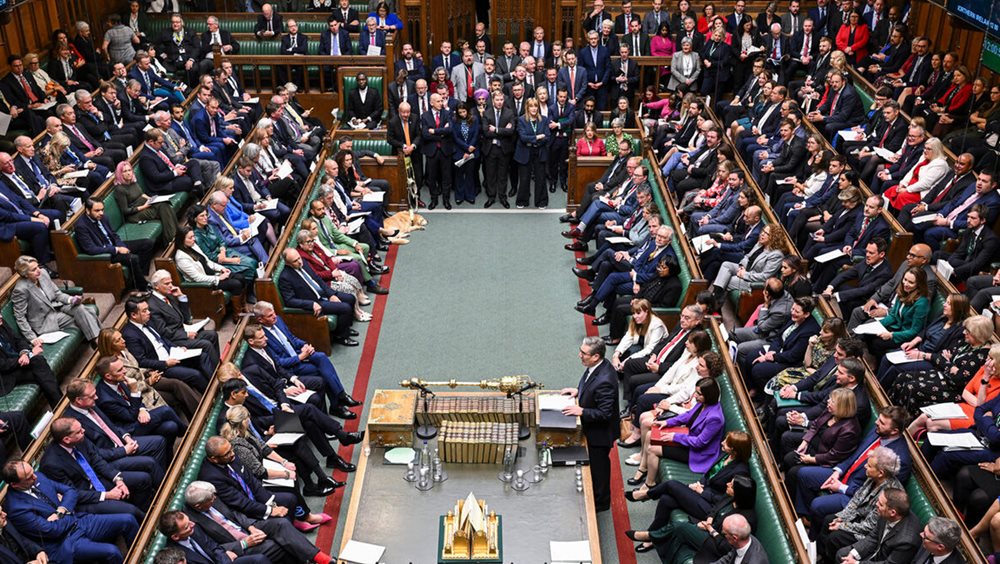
column 284, row 542
column 627, row 88
column 846, row 113
column 597, row 394
column 296, row 292
column 369, row 109
column 80, row 537
column 171, row 315
column 85, row 143
column 13, row 90
column 123, row 411
column 437, row 151
column 61, row 466
column 174, row 54
column 37, row 371
column 788, row 351
column 242, row 491
column 227, row 39
column 598, row 70
column 159, row 176
column 97, row 238
column 365, row 40
column 151, row 457
column 451, row 61
column 346, row 19
column 194, row 372
column 301, row 47
column 262, row 25
column 898, row 546
column 577, row 88
column 497, row 146
column 397, row 139
column 208, row 547
column 974, row 254
column 16, row 548
column 868, row 280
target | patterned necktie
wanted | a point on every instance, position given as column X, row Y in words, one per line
column 235, row 475
column 232, row 528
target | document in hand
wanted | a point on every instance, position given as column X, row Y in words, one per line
column 945, row 269
column 373, row 197
column 301, row 398
column 955, row 441
column 926, row 218
column 873, row 327
column 285, row 169
column 700, row 243
column 550, row 411
column 82, row 174
column 280, row 439
column 196, row 326
column 355, row 224
column 899, row 357
column 851, row 135
column 180, row 353
column 950, row 410
column 53, row 337
column 827, row 257
column 885, row 154
column 271, row 204
column 374, row 51
column 5, row 120
column 463, row 160
column 255, row 221
column 618, row 240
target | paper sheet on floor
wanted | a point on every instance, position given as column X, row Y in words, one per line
column 570, row 551
column 357, row 552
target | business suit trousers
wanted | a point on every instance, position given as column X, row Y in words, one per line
column 981, row 291
column 318, row 364
column 600, row 475
column 343, row 311
column 558, row 163
column 318, row 426
column 438, row 173
column 80, row 317
column 633, row 381
column 37, row 236
column 293, row 544
column 17, row 427
column 535, row 167
column 803, row 486
column 830, row 542
column 137, row 261
column 674, row 494
column 163, row 422
column 94, row 537
column 118, row 507
column 184, row 372
column 465, row 186
column 37, row 371
column 154, row 448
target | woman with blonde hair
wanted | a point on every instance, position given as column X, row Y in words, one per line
column 134, row 203
column 617, row 135
column 531, row 155
column 919, row 180
column 830, row 439
column 252, row 451
column 156, row 390
column 645, row 329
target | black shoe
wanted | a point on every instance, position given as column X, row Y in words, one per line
column 346, row 341
column 565, row 218
column 457, row 202
column 505, row 204
column 631, row 532
column 353, row 332
column 489, row 203
column 336, row 462
column 574, row 221
column 640, row 548
column 636, row 481
column 565, row 188
column 552, row 189
column 376, row 269
column 630, row 495
column 631, row 444
column 317, row 491
column 625, row 412
column 346, row 400
column 575, row 246
column 342, row 412
column 588, row 309
column 351, row 438
column 585, row 301
column 584, row 261
column 585, row 274
column 432, row 205
column 382, row 246
column 512, row 192
column 377, row 289
column 602, row 320
column 447, row 204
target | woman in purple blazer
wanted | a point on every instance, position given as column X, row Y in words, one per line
column 699, row 447
column 830, row 439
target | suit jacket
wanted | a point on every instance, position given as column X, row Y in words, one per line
column 754, row 555
column 395, row 99
column 868, row 280
column 460, row 78
column 892, row 140
column 597, row 70
column 397, row 139
column 295, row 292
column 142, row 349
column 123, row 412
column 212, row 548
column 848, row 110
column 945, row 183
column 30, row 515
column 352, row 15
column 772, row 318
column 201, row 128
column 858, row 478
column 527, row 142
column 898, row 546
column 35, row 306
column 974, row 253
column 440, row 140
column 791, row 350
column 703, row 438
column 504, row 137
column 92, row 241
column 598, row 396
column 325, row 42
column 27, row 548
column 453, row 60
column 418, row 70
column 215, row 531
column 836, row 441
column 580, row 84
column 174, row 54
column 261, row 26
column 990, row 199
column 364, row 40
column 225, row 36
column 80, row 142
column 797, row 43
column 14, row 91
column 784, row 47
column 923, row 557
column 278, row 353
column 158, row 175
column 791, row 158
column 231, row 492
column 301, row 44
column 8, row 362
column 61, row 466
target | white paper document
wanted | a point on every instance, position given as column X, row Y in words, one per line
column 571, row 551
column 873, row 327
column 948, row 410
column 357, row 552
column 301, row 398
column 53, row 337
column 285, row 170
column 268, row 204
column 374, row 51
column 955, row 441
column 42, row 424
column 255, row 221
column 252, row 100
column 373, row 197
column 5, row 120
column 618, row 240
column 279, row 482
column 926, row 218
column 181, row 353
column 196, row 326
column 851, row 135
column 279, row 439
column 158, row 199
column 899, row 357
column 554, row 402
column 700, row 243
column 827, row 257
column 945, row 269
column 462, row 161
column 355, row 224
column 77, row 173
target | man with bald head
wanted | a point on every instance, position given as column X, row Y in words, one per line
column 919, row 255
column 435, row 130
column 301, row 288
column 403, row 135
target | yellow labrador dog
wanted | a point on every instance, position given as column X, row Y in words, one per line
column 405, row 222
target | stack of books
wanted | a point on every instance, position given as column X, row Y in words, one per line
column 476, row 443
column 477, row 409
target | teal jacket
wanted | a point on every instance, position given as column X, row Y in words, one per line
column 905, row 321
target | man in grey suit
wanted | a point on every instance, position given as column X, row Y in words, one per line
column 275, row 538
column 896, row 535
column 746, row 547
column 772, row 317
column 461, row 75
column 40, row 307
column 918, row 256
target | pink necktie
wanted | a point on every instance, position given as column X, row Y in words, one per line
column 107, row 430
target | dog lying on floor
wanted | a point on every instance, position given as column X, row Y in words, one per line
column 406, row 222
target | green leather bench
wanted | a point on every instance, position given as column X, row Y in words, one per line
column 350, row 83
column 377, row 146
column 769, row 529
column 685, row 273
column 60, row 355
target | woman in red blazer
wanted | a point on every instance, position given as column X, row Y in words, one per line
column 590, row 145
column 852, row 39
column 954, row 103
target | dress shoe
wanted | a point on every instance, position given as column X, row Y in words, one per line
column 323, row 517
column 575, row 246
column 378, row 269
column 353, row 332
column 345, row 399
column 512, row 192
column 392, row 233
column 489, row 203
column 564, row 218
column 304, row 527
column 602, row 320
column 317, row 491
column 382, row 245
column 565, row 188
column 342, row 412
column 377, row 289
column 609, row 341
column 421, row 203
column 630, row 444
column 640, row 548
column 346, row 341
column 585, row 300
column 586, row 309
column 584, row 261
column 636, row 481
column 505, row 204
column 552, row 188
column 458, row 202
column 447, row 204
column 581, row 273
column 572, row 233
column 351, row 438
column 338, row 463
column 432, row 205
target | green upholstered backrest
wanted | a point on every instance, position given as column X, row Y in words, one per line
column 661, row 207
column 112, row 212
column 350, row 83
column 377, row 146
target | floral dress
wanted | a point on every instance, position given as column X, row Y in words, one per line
column 921, row 388
column 611, row 145
column 790, row 376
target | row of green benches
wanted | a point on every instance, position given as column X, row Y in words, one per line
column 309, row 22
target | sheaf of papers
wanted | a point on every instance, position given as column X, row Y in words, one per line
column 885, row 153
column 301, row 398
column 700, row 243
column 570, row 551
column 53, row 337
column 618, row 240
column 373, row 197
column 42, row 424
column 251, row 100
column 279, row 439
column 851, row 135
column 873, row 327
column 285, row 170
column 361, row 552
column 5, row 120
column 268, row 204
column 945, row 269
column 196, row 326
column 180, row 353
column 355, row 224
column 926, row 218
column 955, row 441
column 554, row 402
column 950, row 410
column 77, row 174
column 279, row 482
column 827, row 257
column 374, row 51
column 788, row 180
column 255, row 221
column 899, row 357
column 463, row 160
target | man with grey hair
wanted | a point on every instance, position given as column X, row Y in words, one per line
column 939, row 539
column 83, row 143
column 596, row 61
column 213, row 36
column 170, row 315
column 277, row 539
column 203, row 171
column 596, row 406
column 110, row 133
column 736, row 530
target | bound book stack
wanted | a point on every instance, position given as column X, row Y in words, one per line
column 477, row 409
column 476, row 443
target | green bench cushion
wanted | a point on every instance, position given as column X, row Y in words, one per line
column 377, row 146
column 350, row 83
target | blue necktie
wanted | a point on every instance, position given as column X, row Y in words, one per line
column 89, row 471
column 280, row 336
column 238, row 478
column 257, row 395
column 165, row 344
column 100, row 225
column 12, row 203
column 312, row 283
column 42, row 181
column 197, row 548
column 28, row 194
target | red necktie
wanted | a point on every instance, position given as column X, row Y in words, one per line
column 833, row 104
column 123, row 391
column 805, row 45
column 944, row 192
column 470, row 89
column 28, row 90
column 885, row 134
column 670, row 345
column 572, row 83
column 861, row 460
column 864, row 226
